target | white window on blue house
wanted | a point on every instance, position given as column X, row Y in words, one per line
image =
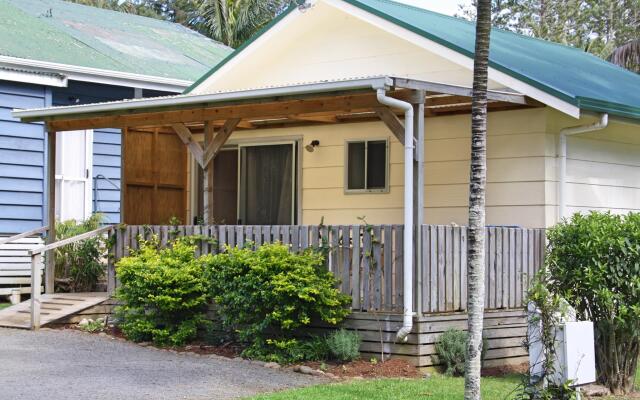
column 74, row 161
column 367, row 166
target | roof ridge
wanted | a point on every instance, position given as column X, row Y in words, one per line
column 493, row 28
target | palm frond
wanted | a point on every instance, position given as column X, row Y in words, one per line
column 627, row 56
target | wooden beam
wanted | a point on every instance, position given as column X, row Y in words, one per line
column 280, row 109
column 392, row 121
column 123, row 175
column 220, row 139
column 187, row 138
column 50, row 266
column 331, row 119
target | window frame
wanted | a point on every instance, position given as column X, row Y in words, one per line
column 366, row 147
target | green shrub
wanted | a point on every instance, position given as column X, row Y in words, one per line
column 165, row 293
column 267, row 295
column 593, row 261
column 79, row 265
column 451, row 348
column 344, row 345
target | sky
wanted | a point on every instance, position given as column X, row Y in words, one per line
column 449, row 7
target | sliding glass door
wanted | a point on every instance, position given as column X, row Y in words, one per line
column 267, row 184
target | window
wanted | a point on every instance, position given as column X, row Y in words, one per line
column 367, row 166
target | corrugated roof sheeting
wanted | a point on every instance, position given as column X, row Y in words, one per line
column 68, row 33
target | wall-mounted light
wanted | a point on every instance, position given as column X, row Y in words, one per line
column 312, row 146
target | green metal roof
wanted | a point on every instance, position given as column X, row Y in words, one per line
column 68, row 33
column 570, row 74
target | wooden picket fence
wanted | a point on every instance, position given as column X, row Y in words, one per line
column 368, row 260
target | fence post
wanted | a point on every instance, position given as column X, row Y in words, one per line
column 36, row 282
column 112, row 238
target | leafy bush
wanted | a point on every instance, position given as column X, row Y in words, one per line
column 451, row 348
column 165, row 293
column 593, row 261
column 268, row 294
column 344, row 345
column 79, row 265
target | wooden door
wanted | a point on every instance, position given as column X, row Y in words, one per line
column 155, row 178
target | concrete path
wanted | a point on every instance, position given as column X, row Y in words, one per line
column 70, row 365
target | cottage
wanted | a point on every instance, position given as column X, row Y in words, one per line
column 345, row 124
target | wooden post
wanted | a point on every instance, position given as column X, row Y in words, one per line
column 207, row 182
column 111, row 255
column 36, row 260
column 123, row 182
column 418, row 192
column 49, row 273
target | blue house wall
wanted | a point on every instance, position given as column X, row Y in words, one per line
column 22, row 159
column 23, row 152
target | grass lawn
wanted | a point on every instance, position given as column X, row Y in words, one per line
column 438, row 387
column 4, row 305
column 435, row 388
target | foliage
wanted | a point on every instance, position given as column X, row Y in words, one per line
column 271, row 293
column 80, row 264
column 344, row 345
column 228, row 21
column 541, row 380
column 232, row 21
column 451, row 348
column 627, row 55
column 93, row 326
column 593, row 262
column 596, row 26
column 165, row 293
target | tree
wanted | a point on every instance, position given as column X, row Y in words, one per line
column 234, row 21
column 477, row 189
column 627, row 56
column 596, row 26
column 228, row 21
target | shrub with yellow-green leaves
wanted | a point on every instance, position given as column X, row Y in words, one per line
column 267, row 295
column 164, row 294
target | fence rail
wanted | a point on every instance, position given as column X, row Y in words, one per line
column 368, row 260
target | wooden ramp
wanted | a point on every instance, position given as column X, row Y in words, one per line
column 54, row 307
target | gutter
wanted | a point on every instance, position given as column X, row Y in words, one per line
column 562, row 170
column 98, row 75
column 407, row 320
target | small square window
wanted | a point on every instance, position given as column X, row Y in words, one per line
column 367, row 165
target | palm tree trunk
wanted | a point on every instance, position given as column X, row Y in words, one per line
column 477, row 184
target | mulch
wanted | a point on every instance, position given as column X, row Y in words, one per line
column 392, row 368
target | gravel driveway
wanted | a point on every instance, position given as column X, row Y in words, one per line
column 55, row 364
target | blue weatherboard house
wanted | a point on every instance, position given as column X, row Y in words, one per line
column 55, row 53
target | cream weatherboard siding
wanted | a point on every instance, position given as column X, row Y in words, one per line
column 332, row 45
column 603, row 167
column 516, row 182
column 328, row 44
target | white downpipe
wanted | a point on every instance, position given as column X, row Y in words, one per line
column 407, row 320
column 562, row 170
